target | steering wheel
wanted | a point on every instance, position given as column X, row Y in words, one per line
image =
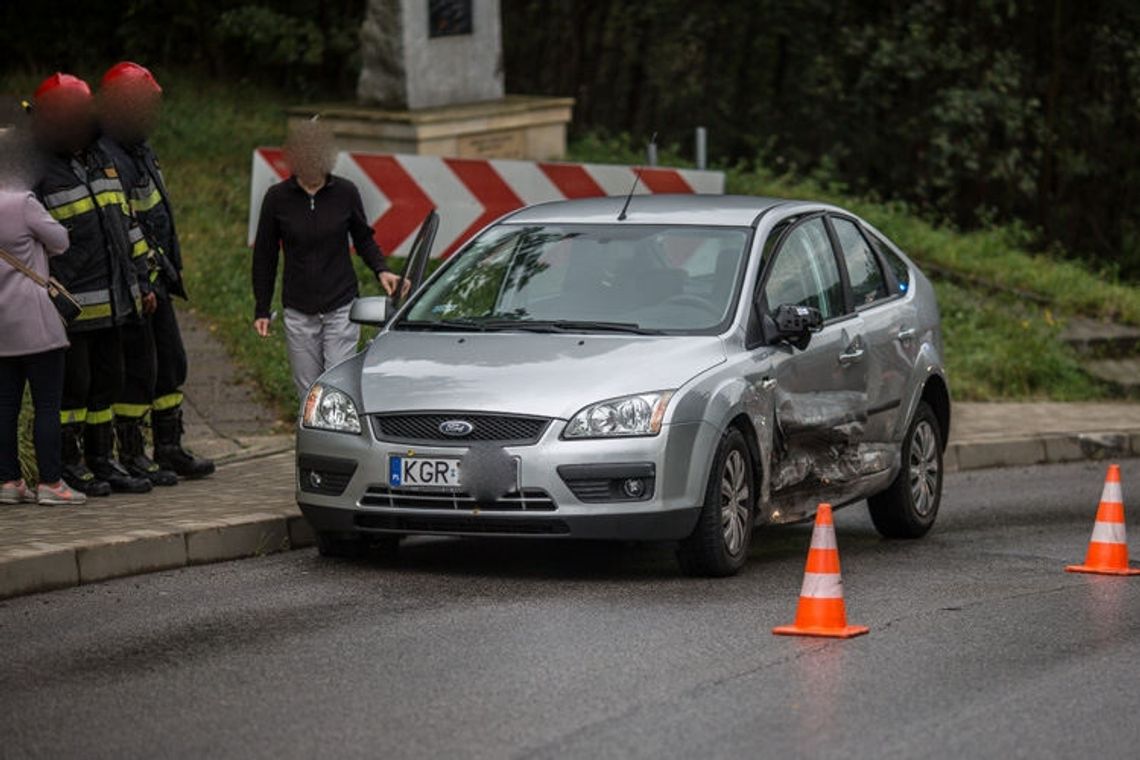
column 696, row 302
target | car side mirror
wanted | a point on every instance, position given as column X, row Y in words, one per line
column 373, row 310
column 795, row 324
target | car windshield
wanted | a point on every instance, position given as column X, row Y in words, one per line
column 588, row 278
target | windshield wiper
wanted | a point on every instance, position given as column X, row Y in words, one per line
column 467, row 325
column 567, row 326
column 527, row 325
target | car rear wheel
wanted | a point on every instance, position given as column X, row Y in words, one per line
column 908, row 507
column 718, row 545
column 355, row 547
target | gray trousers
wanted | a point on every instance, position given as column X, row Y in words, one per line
column 317, row 342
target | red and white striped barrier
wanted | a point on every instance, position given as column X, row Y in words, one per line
column 398, row 190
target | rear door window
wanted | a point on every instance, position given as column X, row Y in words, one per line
column 898, row 267
column 867, row 281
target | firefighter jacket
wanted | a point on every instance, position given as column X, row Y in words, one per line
column 146, row 193
column 108, row 263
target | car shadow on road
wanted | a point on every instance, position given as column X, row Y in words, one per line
column 571, row 560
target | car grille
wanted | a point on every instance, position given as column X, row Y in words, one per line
column 506, row 429
column 468, row 525
column 527, row 500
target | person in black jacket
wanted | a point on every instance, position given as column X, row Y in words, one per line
column 106, row 267
column 156, row 366
column 310, row 217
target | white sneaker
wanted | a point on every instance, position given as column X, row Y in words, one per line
column 16, row 492
column 59, row 495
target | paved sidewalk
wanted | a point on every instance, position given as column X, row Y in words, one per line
column 244, row 510
column 224, row 416
column 248, row 508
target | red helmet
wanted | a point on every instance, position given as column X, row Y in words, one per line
column 62, row 84
column 127, row 72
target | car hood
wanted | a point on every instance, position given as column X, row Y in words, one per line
column 525, row 373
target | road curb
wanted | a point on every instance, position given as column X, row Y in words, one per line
column 1042, row 449
column 44, row 567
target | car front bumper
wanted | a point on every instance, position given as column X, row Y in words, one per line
column 352, row 495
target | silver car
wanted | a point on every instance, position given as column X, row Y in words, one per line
column 683, row 369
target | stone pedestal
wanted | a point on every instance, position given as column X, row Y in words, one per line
column 426, row 53
column 432, row 83
column 515, row 126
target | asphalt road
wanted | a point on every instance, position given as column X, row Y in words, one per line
column 980, row 646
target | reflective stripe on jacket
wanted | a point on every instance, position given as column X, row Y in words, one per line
column 150, row 203
column 106, row 266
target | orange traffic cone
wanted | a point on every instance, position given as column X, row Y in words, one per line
column 1108, row 547
column 821, row 611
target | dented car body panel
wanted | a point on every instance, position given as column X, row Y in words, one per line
column 824, row 422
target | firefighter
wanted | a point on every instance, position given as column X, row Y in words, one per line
column 105, row 267
column 156, row 370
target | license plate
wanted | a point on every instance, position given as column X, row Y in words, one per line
column 423, row 472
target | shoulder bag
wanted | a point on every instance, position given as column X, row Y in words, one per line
column 65, row 303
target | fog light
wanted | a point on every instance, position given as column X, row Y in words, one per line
column 634, row 488
column 315, row 479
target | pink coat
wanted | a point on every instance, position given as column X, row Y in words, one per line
column 29, row 323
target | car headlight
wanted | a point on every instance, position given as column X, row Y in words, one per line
column 640, row 414
column 329, row 409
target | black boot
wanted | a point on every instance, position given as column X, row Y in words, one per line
column 132, row 453
column 100, row 440
column 168, row 450
column 75, row 472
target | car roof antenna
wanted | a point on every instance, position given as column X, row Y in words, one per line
column 636, row 179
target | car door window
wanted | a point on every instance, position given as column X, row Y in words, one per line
column 897, row 265
column 805, row 272
column 867, row 281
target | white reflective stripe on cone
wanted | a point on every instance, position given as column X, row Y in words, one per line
column 1113, row 493
column 1108, row 533
column 822, row 586
column 823, row 537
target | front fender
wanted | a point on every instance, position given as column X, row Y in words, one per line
column 723, row 396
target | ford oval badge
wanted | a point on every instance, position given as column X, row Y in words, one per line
column 456, row 428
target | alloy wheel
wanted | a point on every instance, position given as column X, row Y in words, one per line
column 924, row 468
column 734, row 500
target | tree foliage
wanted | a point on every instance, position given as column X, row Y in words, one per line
column 973, row 110
column 308, row 45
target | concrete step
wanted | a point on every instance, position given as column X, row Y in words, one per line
column 1123, row 373
column 1102, row 339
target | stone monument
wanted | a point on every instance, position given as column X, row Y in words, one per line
column 432, row 83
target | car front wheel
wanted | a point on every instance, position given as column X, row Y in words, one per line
column 908, row 507
column 718, row 545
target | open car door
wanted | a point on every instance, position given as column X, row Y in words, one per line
column 416, row 265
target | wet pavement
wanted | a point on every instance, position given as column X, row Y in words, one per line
column 980, row 646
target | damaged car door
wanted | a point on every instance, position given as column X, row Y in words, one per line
column 820, row 392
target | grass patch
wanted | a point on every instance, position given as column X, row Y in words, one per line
column 998, row 348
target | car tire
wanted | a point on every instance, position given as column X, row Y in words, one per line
column 718, row 545
column 356, row 547
column 909, row 506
